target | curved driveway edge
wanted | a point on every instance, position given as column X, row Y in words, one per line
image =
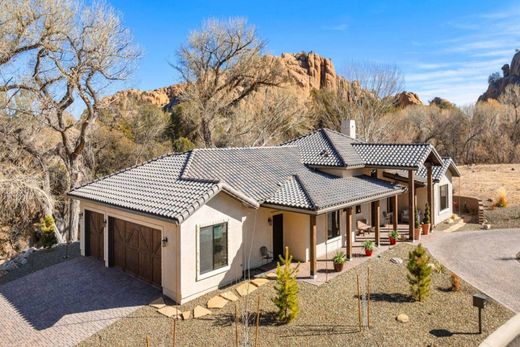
column 485, row 259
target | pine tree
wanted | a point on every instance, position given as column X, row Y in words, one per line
column 286, row 289
column 419, row 276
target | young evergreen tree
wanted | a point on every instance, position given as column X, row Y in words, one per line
column 286, row 289
column 419, row 276
column 426, row 218
column 47, row 226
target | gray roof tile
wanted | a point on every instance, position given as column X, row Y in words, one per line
column 395, row 155
column 325, row 147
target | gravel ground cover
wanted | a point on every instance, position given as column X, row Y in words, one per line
column 328, row 315
column 41, row 259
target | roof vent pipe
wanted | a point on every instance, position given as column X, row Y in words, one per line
column 348, row 127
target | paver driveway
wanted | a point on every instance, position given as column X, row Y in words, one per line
column 486, row 259
column 63, row 304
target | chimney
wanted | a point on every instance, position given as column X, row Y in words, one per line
column 348, row 127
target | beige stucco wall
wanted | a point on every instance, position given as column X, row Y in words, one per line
column 296, row 235
column 169, row 255
column 441, row 216
column 222, row 208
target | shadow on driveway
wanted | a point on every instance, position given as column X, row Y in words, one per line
column 76, row 286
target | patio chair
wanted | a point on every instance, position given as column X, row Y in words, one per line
column 362, row 227
column 266, row 255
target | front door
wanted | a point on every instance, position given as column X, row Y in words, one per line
column 277, row 236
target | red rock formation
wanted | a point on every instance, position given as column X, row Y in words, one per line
column 511, row 75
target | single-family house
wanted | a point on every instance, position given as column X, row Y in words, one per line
column 195, row 221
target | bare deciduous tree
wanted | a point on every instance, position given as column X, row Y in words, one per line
column 63, row 52
column 222, row 64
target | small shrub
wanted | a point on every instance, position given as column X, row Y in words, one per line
column 501, row 198
column 47, row 226
column 420, row 273
column 426, row 218
column 369, row 244
column 286, row 289
column 394, row 234
column 456, row 285
column 339, row 258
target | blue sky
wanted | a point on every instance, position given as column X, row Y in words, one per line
column 443, row 48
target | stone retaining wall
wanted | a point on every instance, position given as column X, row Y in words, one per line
column 469, row 205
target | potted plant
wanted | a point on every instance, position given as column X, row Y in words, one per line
column 369, row 247
column 393, row 237
column 426, row 220
column 338, row 260
column 417, row 230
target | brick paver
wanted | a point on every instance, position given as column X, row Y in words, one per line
column 486, row 259
column 63, row 304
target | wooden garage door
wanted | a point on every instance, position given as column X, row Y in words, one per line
column 94, row 239
column 136, row 249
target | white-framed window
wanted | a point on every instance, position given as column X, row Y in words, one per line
column 444, row 199
column 213, row 247
column 332, row 225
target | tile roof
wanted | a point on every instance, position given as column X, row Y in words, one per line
column 438, row 171
column 396, row 155
column 154, row 187
column 176, row 185
column 325, row 147
column 315, row 190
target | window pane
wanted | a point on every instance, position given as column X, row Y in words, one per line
column 444, row 197
column 219, row 246
column 206, row 249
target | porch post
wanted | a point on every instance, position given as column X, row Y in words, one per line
column 411, row 204
column 313, row 245
column 396, row 210
column 430, row 192
column 348, row 235
column 377, row 215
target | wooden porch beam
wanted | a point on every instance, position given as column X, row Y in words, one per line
column 396, row 210
column 429, row 182
column 348, row 234
column 313, row 246
column 377, row 222
column 411, row 204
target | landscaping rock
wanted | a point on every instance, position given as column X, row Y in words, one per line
column 200, row 311
column 186, row 315
column 396, row 260
column 402, row 318
column 259, row 281
column 229, row 296
column 245, row 289
column 158, row 303
column 217, row 302
column 169, row 311
column 21, row 260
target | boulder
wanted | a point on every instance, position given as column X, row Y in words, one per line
column 396, row 260
column 200, row 311
column 402, row 318
column 259, row 281
column 169, row 311
column 217, row 302
column 246, row 288
column 405, row 99
column 186, row 315
column 229, row 296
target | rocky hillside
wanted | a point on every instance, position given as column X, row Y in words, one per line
column 306, row 72
column 510, row 75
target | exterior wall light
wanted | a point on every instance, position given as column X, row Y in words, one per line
column 164, row 241
column 270, row 221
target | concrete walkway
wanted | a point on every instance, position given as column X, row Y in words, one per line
column 485, row 259
column 63, row 304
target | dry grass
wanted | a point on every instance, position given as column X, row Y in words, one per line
column 484, row 181
column 328, row 315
